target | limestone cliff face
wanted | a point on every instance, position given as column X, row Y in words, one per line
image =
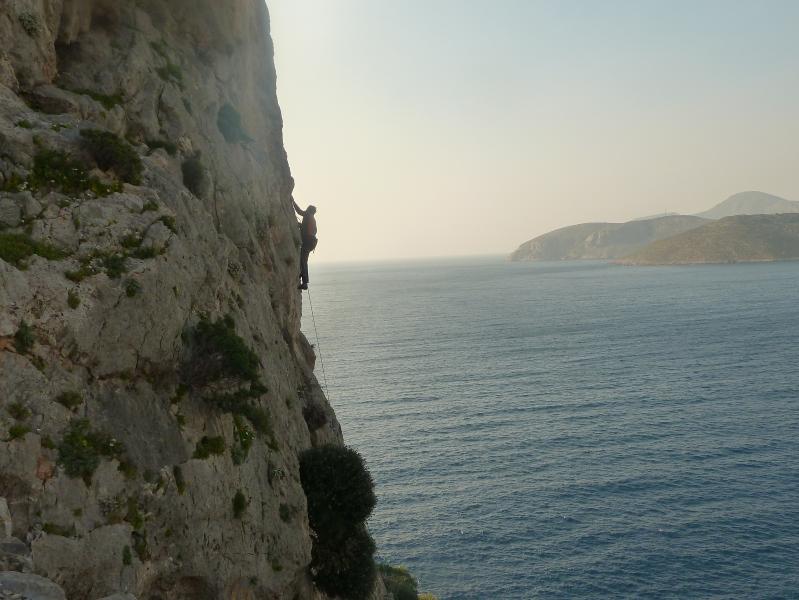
column 102, row 287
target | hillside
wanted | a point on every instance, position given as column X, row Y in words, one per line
column 750, row 203
column 156, row 392
column 749, row 238
column 602, row 240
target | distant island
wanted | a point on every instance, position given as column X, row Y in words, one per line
column 743, row 238
column 720, row 235
column 603, row 241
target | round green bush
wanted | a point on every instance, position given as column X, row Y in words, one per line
column 339, row 489
column 345, row 567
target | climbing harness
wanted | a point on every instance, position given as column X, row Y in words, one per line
column 318, row 345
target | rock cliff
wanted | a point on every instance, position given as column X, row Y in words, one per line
column 155, row 388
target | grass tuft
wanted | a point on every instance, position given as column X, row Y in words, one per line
column 16, row 432
column 16, row 247
column 18, row 411
column 115, row 265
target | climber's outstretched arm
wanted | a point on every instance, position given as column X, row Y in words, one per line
column 297, row 208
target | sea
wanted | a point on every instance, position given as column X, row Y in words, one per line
column 571, row 429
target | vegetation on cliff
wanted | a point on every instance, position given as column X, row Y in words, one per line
column 340, row 495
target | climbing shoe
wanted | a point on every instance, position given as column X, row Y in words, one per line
column 303, row 286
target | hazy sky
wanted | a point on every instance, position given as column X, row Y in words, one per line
column 453, row 127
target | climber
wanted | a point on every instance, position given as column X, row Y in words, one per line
column 309, row 241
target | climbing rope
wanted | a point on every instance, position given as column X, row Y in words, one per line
column 318, row 345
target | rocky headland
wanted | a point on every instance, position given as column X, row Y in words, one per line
column 679, row 239
column 602, row 241
column 747, row 238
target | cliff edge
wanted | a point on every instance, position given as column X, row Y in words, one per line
column 155, row 388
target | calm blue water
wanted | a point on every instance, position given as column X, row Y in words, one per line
column 573, row 430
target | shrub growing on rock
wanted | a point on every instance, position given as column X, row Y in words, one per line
column 344, row 566
column 115, row 265
column 338, row 486
column 18, row 431
column 82, row 448
column 29, row 22
column 169, row 222
column 399, row 582
column 56, row 170
column 112, row 152
column 340, row 495
column 18, row 411
column 219, row 352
